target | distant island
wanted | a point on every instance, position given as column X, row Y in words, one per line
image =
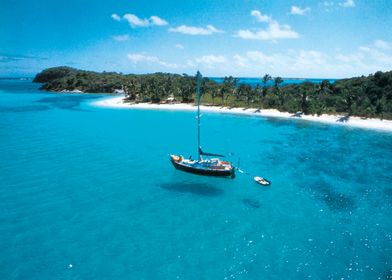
column 368, row 97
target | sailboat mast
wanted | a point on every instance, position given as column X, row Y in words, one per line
column 198, row 75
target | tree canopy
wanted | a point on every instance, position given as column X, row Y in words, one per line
column 369, row 96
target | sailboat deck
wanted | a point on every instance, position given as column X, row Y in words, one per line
column 210, row 167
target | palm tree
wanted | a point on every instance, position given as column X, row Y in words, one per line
column 154, row 90
column 132, row 89
column 257, row 91
column 241, row 91
column 277, row 82
column 349, row 99
column 214, row 92
column 229, row 87
column 265, row 80
column 304, row 102
column 246, row 90
column 144, row 89
column 278, row 92
column 186, row 88
column 222, row 93
column 324, row 87
column 168, row 86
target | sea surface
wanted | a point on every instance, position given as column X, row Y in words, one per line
column 89, row 193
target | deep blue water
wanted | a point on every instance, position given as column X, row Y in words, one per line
column 286, row 81
column 94, row 188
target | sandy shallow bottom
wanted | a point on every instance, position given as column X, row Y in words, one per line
column 377, row 124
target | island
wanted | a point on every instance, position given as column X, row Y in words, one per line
column 365, row 96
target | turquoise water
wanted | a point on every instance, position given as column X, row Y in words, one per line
column 94, row 188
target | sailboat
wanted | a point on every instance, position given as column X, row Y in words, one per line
column 208, row 166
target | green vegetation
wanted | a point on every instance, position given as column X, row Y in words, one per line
column 362, row 96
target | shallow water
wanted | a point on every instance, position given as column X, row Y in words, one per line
column 93, row 187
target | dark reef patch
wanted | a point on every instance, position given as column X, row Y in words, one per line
column 338, row 201
column 388, row 196
column 388, row 192
column 66, row 102
column 335, row 200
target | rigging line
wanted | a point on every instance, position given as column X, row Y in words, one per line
column 198, row 113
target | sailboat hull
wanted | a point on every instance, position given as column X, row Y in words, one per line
column 203, row 171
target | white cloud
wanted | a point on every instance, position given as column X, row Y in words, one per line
column 168, row 65
column 211, row 59
column 273, row 32
column 311, row 63
column 295, row 10
column 259, row 57
column 207, row 62
column 116, row 17
column 368, row 59
column 382, row 56
column 364, row 49
column 311, row 58
column 140, row 58
column 121, row 38
column 155, row 20
column 135, row 21
column 246, row 34
column 292, row 63
column 328, row 3
column 190, row 63
column 241, row 61
column 330, row 6
column 350, row 58
column 192, row 30
column 382, row 45
column 348, row 4
column 260, row 17
column 334, row 63
column 179, row 46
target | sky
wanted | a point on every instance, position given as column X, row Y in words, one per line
column 249, row 38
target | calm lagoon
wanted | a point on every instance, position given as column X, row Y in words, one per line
column 89, row 193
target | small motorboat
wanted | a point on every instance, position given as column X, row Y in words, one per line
column 262, row 181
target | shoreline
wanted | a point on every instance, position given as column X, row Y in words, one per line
column 358, row 122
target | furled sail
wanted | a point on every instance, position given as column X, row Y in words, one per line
column 209, row 154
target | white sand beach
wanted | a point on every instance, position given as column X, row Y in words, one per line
column 366, row 123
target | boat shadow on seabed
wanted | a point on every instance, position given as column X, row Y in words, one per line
column 201, row 189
